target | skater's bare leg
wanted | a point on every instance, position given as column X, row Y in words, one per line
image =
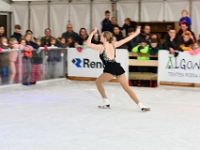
column 122, row 80
column 104, row 77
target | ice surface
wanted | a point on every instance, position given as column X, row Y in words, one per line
column 63, row 115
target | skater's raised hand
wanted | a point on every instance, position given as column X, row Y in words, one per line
column 95, row 30
column 138, row 29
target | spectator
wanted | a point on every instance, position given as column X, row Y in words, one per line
column 199, row 39
column 172, row 41
column 2, row 30
column 4, row 61
column 70, row 33
column 38, row 42
column 155, row 46
column 128, row 24
column 13, row 56
column 184, row 28
column 17, row 34
column 47, row 38
column 31, row 33
column 53, row 42
column 96, row 38
column 29, row 41
column 185, row 18
column 195, row 48
column 118, row 36
column 70, row 42
column 106, row 23
column 187, row 42
column 143, row 48
column 114, row 23
column 133, row 42
column 63, row 42
column 145, row 34
column 82, row 36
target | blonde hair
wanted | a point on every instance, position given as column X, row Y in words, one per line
column 184, row 10
column 108, row 36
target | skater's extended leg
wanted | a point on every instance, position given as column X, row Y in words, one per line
column 122, row 80
column 104, row 77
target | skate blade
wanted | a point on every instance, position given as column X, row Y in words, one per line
column 145, row 109
column 104, row 107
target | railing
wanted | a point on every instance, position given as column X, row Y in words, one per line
column 142, row 63
column 43, row 65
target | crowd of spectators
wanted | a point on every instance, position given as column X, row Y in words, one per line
column 145, row 42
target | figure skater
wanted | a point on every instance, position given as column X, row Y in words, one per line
column 111, row 67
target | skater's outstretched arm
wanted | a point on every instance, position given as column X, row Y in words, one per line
column 130, row 37
column 98, row 47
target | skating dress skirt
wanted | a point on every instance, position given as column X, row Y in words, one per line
column 110, row 65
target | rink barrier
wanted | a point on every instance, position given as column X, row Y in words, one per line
column 183, row 70
column 142, row 63
column 19, row 70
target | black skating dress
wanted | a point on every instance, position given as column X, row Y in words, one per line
column 110, row 65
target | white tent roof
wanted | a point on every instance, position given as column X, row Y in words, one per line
column 4, row 7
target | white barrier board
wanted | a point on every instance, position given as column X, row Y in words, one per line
column 184, row 68
column 88, row 64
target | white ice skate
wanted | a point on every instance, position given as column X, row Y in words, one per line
column 105, row 104
column 143, row 108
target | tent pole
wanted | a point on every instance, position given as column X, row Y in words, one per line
column 190, row 8
column 69, row 10
column 29, row 15
column 91, row 19
column 49, row 13
column 139, row 10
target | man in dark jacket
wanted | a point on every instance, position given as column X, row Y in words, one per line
column 119, row 36
column 184, row 28
column 134, row 42
column 17, row 34
column 106, row 23
column 145, row 34
column 70, row 33
column 172, row 41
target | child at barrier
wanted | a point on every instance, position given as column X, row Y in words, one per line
column 154, row 47
column 195, row 48
column 185, row 18
column 142, row 48
column 30, row 61
column 63, row 42
column 13, row 56
column 187, row 42
column 53, row 57
column 4, row 61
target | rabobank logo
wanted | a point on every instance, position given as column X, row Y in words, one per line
column 77, row 62
column 86, row 63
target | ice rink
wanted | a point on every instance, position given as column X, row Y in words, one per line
column 63, row 115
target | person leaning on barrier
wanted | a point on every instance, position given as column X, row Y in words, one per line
column 172, row 41
column 187, row 42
